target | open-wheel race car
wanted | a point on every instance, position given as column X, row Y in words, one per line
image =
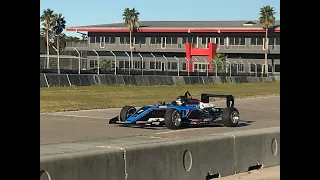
column 184, row 111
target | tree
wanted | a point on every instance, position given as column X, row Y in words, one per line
column 59, row 26
column 131, row 20
column 47, row 18
column 106, row 63
column 218, row 58
column 267, row 19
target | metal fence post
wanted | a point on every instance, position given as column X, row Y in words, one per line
column 155, row 63
column 207, row 67
column 249, row 68
column 166, row 64
column 197, row 65
column 58, row 59
column 79, row 63
column 216, row 70
column 115, row 63
column 141, row 63
column 256, row 69
column 129, row 62
column 237, row 68
column 98, row 59
column 178, row 64
column 229, row 67
column 187, row 65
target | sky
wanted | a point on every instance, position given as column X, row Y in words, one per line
column 84, row 12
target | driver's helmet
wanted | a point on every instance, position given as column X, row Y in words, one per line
column 181, row 100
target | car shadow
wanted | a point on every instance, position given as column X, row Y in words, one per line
column 242, row 123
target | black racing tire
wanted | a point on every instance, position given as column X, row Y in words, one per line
column 126, row 111
column 173, row 119
column 230, row 117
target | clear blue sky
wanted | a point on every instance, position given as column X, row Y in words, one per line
column 84, row 12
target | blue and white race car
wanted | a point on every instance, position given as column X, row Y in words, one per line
column 184, row 111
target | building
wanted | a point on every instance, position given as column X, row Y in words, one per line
column 159, row 42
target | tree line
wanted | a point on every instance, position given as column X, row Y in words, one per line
column 54, row 24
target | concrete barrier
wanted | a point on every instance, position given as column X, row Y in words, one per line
column 183, row 159
column 96, row 165
column 49, row 80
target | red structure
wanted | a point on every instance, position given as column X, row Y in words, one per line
column 192, row 51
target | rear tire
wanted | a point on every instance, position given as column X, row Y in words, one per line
column 126, row 112
column 173, row 119
column 230, row 117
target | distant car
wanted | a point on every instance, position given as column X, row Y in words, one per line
column 184, row 111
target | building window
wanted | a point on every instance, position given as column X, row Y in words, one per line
column 205, row 40
column 220, row 40
column 171, row 40
column 237, row 41
column 240, row 67
column 189, row 39
column 140, row 40
column 184, row 66
column 256, row 41
column 98, row 39
column 124, row 40
column 92, row 63
column 278, row 41
column 110, row 40
column 121, row 64
column 155, row 40
column 151, row 65
column 271, row 41
column 174, row 65
column 92, row 39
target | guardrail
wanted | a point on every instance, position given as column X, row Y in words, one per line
column 162, row 158
column 50, row 80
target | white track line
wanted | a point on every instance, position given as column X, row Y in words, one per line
column 68, row 115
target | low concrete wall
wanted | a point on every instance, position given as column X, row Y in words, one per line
column 184, row 159
column 50, row 80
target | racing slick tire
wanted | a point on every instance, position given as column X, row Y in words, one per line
column 173, row 119
column 126, row 112
column 230, row 117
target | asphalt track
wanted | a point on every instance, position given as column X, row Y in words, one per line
column 77, row 126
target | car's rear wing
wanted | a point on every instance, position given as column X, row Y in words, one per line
column 229, row 98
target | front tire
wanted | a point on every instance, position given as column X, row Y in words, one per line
column 230, row 117
column 126, row 112
column 173, row 119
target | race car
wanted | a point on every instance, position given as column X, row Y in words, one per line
column 184, row 111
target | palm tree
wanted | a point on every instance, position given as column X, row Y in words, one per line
column 60, row 25
column 131, row 20
column 267, row 19
column 47, row 18
column 222, row 58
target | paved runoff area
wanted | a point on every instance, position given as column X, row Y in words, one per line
column 271, row 173
column 92, row 125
